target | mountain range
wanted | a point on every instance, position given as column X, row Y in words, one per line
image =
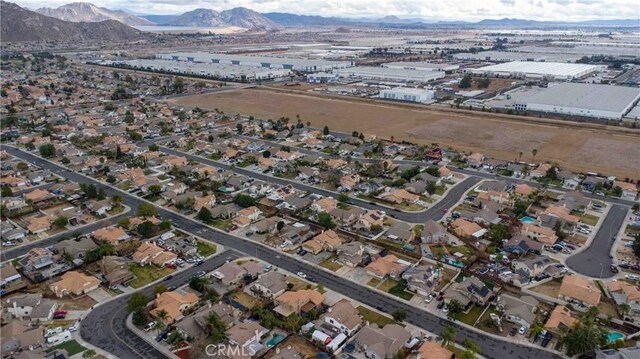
column 86, row 12
column 239, row 16
column 20, row 24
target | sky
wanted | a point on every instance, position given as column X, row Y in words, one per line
column 565, row 10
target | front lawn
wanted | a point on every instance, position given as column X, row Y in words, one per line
column 373, row 282
column 223, row 224
column 374, row 317
column 388, row 284
column 205, row 249
column 330, row 265
column 400, row 290
column 72, row 348
column 147, row 274
column 589, row 219
column 470, row 317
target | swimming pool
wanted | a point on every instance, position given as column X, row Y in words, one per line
column 613, row 336
column 274, row 340
column 527, row 220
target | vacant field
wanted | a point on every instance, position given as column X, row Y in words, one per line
column 572, row 146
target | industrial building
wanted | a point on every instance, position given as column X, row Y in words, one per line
column 321, row 77
column 217, row 71
column 408, row 94
column 385, row 73
column 422, row 66
column 509, row 56
column 272, row 62
column 536, row 70
column 575, row 99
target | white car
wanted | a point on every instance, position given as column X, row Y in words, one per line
column 445, row 309
column 632, row 277
column 149, row 326
column 430, row 298
column 522, row 330
column 301, row 275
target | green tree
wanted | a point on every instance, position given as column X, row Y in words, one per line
column 155, row 189
column 198, row 283
column 584, row 338
column 325, row 130
column 137, row 301
column 343, row 197
column 165, row 225
column 497, row 233
column 483, row 83
column 245, row 201
column 147, row 210
column 455, row 307
column 61, row 222
column 154, row 147
column 536, row 329
column 465, row 82
column 326, row 221
column 399, row 315
column 266, row 154
column 205, row 215
column 159, row 289
column 145, row 229
column 135, row 136
column 88, row 354
column 448, row 335
column 124, row 222
column 47, row 150
column 6, row 191
column 22, row 166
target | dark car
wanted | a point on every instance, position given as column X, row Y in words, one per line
column 440, row 305
column 614, row 268
column 513, row 331
column 169, row 277
column 545, row 341
column 199, row 263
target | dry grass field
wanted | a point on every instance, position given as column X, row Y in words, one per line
column 580, row 148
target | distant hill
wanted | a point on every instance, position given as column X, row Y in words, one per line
column 19, row 24
column 86, row 12
column 287, row 19
column 239, row 16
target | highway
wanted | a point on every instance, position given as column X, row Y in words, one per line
column 436, row 212
column 118, row 340
column 595, row 260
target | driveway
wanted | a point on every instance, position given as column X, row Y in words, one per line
column 99, row 295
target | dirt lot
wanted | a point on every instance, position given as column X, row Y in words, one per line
column 579, row 148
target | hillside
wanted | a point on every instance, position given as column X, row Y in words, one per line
column 240, row 17
column 19, row 24
column 86, row 12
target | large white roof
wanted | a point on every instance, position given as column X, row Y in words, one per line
column 542, row 68
column 586, row 96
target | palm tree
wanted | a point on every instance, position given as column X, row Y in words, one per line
column 448, row 335
column 534, row 152
column 536, row 329
column 162, row 316
column 519, row 156
column 584, row 338
column 624, row 308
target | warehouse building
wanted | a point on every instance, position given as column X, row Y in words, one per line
column 217, row 71
column 576, row 99
column 384, row 73
column 321, row 77
column 272, row 62
column 536, row 70
column 408, row 94
column 422, row 66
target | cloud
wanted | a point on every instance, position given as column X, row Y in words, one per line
column 571, row 10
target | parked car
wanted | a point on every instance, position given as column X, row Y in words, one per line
column 201, row 274
column 522, row 330
column 430, row 298
column 513, row 331
column 301, row 275
column 149, row 326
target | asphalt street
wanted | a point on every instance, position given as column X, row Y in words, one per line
column 116, row 338
column 595, row 260
column 436, row 212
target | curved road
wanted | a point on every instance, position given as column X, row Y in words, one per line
column 105, row 326
column 596, row 259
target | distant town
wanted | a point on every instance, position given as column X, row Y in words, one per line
column 341, row 189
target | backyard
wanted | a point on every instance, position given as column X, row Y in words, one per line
column 147, row 274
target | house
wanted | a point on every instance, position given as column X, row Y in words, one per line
column 349, row 182
column 562, row 214
column 470, row 290
column 625, row 293
column 629, row 190
column 325, row 204
column 266, row 225
column 350, row 254
column 492, row 186
column 523, row 190
column 10, row 279
column 40, row 224
column 207, row 201
column 246, row 335
column 580, row 290
column 299, row 302
column 422, row 279
column 433, row 350
column 342, row 317
column 541, row 170
column 543, row 235
column 347, row 216
column 520, row 311
column 20, row 336
column 252, row 213
column 401, row 232
column 77, row 249
column 465, row 229
column 521, row 245
column 388, row 265
column 37, row 196
column 101, row 208
column 327, row 240
column 74, row 283
column 232, row 274
column 269, row 285
column 111, row 235
column 434, row 233
column 372, row 218
column 530, row 268
column 146, row 252
column 590, row 183
column 115, row 270
column 21, row 306
column 174, row 303
column 383, row 343
column 184, row 246
column 574, row 201
column 399, row 196
column 36, row 259
column 560, row 320
column 621, row 353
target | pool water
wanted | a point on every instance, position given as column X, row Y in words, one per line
column 613, row 336
column 527, row 220
column 274, row 340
